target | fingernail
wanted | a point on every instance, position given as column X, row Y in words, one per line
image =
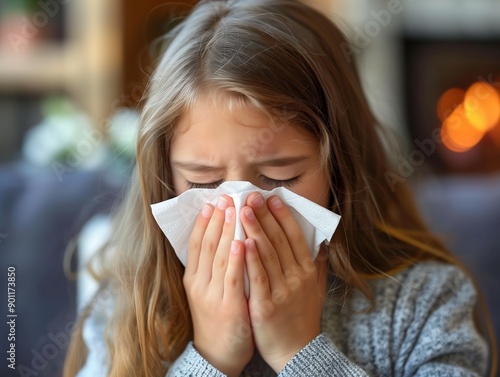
column 250, row 243
column 276, row 202
column 229, row 215
column 222, row 203
column 206, row 211
column 249, row 214
column 258, row 201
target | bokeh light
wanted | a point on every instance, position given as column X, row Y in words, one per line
column 448, row 101
column 468, row 115
column 482, row 106
column 457, row 133
column 494, row 133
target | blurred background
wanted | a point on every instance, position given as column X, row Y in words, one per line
column 72, row 74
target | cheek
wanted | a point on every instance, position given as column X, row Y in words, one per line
column 317, row 189
column 179, row 184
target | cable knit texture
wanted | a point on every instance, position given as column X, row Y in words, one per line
column 421, row 325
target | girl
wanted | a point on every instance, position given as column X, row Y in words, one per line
column 384, row 298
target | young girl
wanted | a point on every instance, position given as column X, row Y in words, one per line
column 384, row 298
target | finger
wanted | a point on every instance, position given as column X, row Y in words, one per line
column 273, row 230
column 211, row 239
column 268, row 255
column 233, row 279
column 321, row 263
column 221, row 258
column 257, row 275
column 292, row 229
column 196, row 238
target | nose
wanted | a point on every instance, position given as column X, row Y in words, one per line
column 247, row 177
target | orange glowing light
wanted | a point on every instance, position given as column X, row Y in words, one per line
column 494, row 133
column 448, row 101
column 457, row 133
column 482, row 106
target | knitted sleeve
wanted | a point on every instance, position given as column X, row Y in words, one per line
column 191, row 363
column 433, row 325
column 422, row 326
column 321, row 358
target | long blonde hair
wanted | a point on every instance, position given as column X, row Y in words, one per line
column 285, row 58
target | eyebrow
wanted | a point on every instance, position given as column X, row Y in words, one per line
column 273, row 162
column 282, row 161
column 195, row 166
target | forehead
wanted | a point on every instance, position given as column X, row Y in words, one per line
column 218, row 124
column 222, row 107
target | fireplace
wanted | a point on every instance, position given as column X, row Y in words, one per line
column 452, row 94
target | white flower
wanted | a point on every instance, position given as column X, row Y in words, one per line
column 69, row 138
column 123, row 131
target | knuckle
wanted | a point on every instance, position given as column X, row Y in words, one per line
column 194, row 244
column 209, row 245
column 280, row 295
column 264, row 308
column 309, row 266
column 293, row 271
column 279, row 239
column 220, row 263
column 293, row 282
column 271, row 258
column 231, row 281
column 260, row 279
column 297, row 238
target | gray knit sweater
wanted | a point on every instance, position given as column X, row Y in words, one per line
column 422, row 325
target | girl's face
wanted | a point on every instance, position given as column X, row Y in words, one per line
column 240, row 143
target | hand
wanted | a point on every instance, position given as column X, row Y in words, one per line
column 214, row 285
column 286, row 286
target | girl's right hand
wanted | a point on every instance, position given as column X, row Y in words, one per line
column 214, row 285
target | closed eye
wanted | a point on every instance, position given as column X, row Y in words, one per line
column 280, row 182
column 211, row 185
column 270, row 182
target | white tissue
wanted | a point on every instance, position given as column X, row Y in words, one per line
column 176, row 217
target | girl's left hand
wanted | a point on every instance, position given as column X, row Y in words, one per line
column 287, row 286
